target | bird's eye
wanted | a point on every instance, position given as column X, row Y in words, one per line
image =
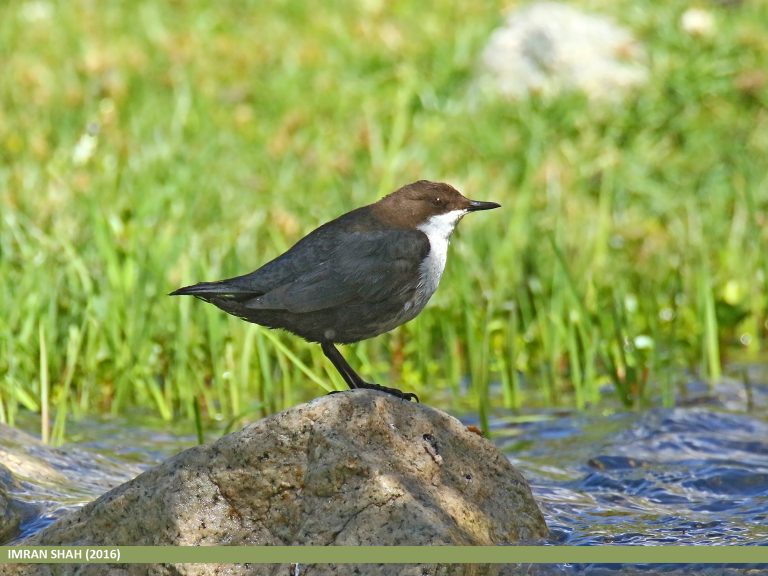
column 437, row 201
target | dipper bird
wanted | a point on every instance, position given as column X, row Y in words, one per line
column 355, row 277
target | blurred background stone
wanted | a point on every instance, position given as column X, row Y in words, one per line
column 548, row 48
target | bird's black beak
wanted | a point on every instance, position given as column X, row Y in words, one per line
column 475, row 205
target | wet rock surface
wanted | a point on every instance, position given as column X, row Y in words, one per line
column 10, row 509
column 348, row 469
column 39, row 482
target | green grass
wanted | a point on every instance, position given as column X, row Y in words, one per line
column 631, row 246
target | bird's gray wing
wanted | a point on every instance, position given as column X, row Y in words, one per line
column 302, row 258
column 364, row 267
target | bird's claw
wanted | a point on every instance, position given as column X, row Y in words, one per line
column 407, row 396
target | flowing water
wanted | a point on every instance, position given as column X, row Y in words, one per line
column 694, row 474
column 685, row 475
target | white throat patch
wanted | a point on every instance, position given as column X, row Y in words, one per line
column 438, row 229
column 442, row 225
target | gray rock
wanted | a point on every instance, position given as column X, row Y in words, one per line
column 349, row 469
column 547, row 48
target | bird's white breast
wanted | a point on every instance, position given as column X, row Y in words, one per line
column 438, row 230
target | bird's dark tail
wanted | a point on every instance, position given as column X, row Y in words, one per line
column 208, row 289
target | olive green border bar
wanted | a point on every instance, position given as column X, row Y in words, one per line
column 386, row 554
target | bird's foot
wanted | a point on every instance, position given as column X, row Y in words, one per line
column 394, row 391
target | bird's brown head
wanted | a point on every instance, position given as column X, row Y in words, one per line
column 427, row 204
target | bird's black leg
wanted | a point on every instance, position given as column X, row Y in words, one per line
column 353, row 379
column 349, row 375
